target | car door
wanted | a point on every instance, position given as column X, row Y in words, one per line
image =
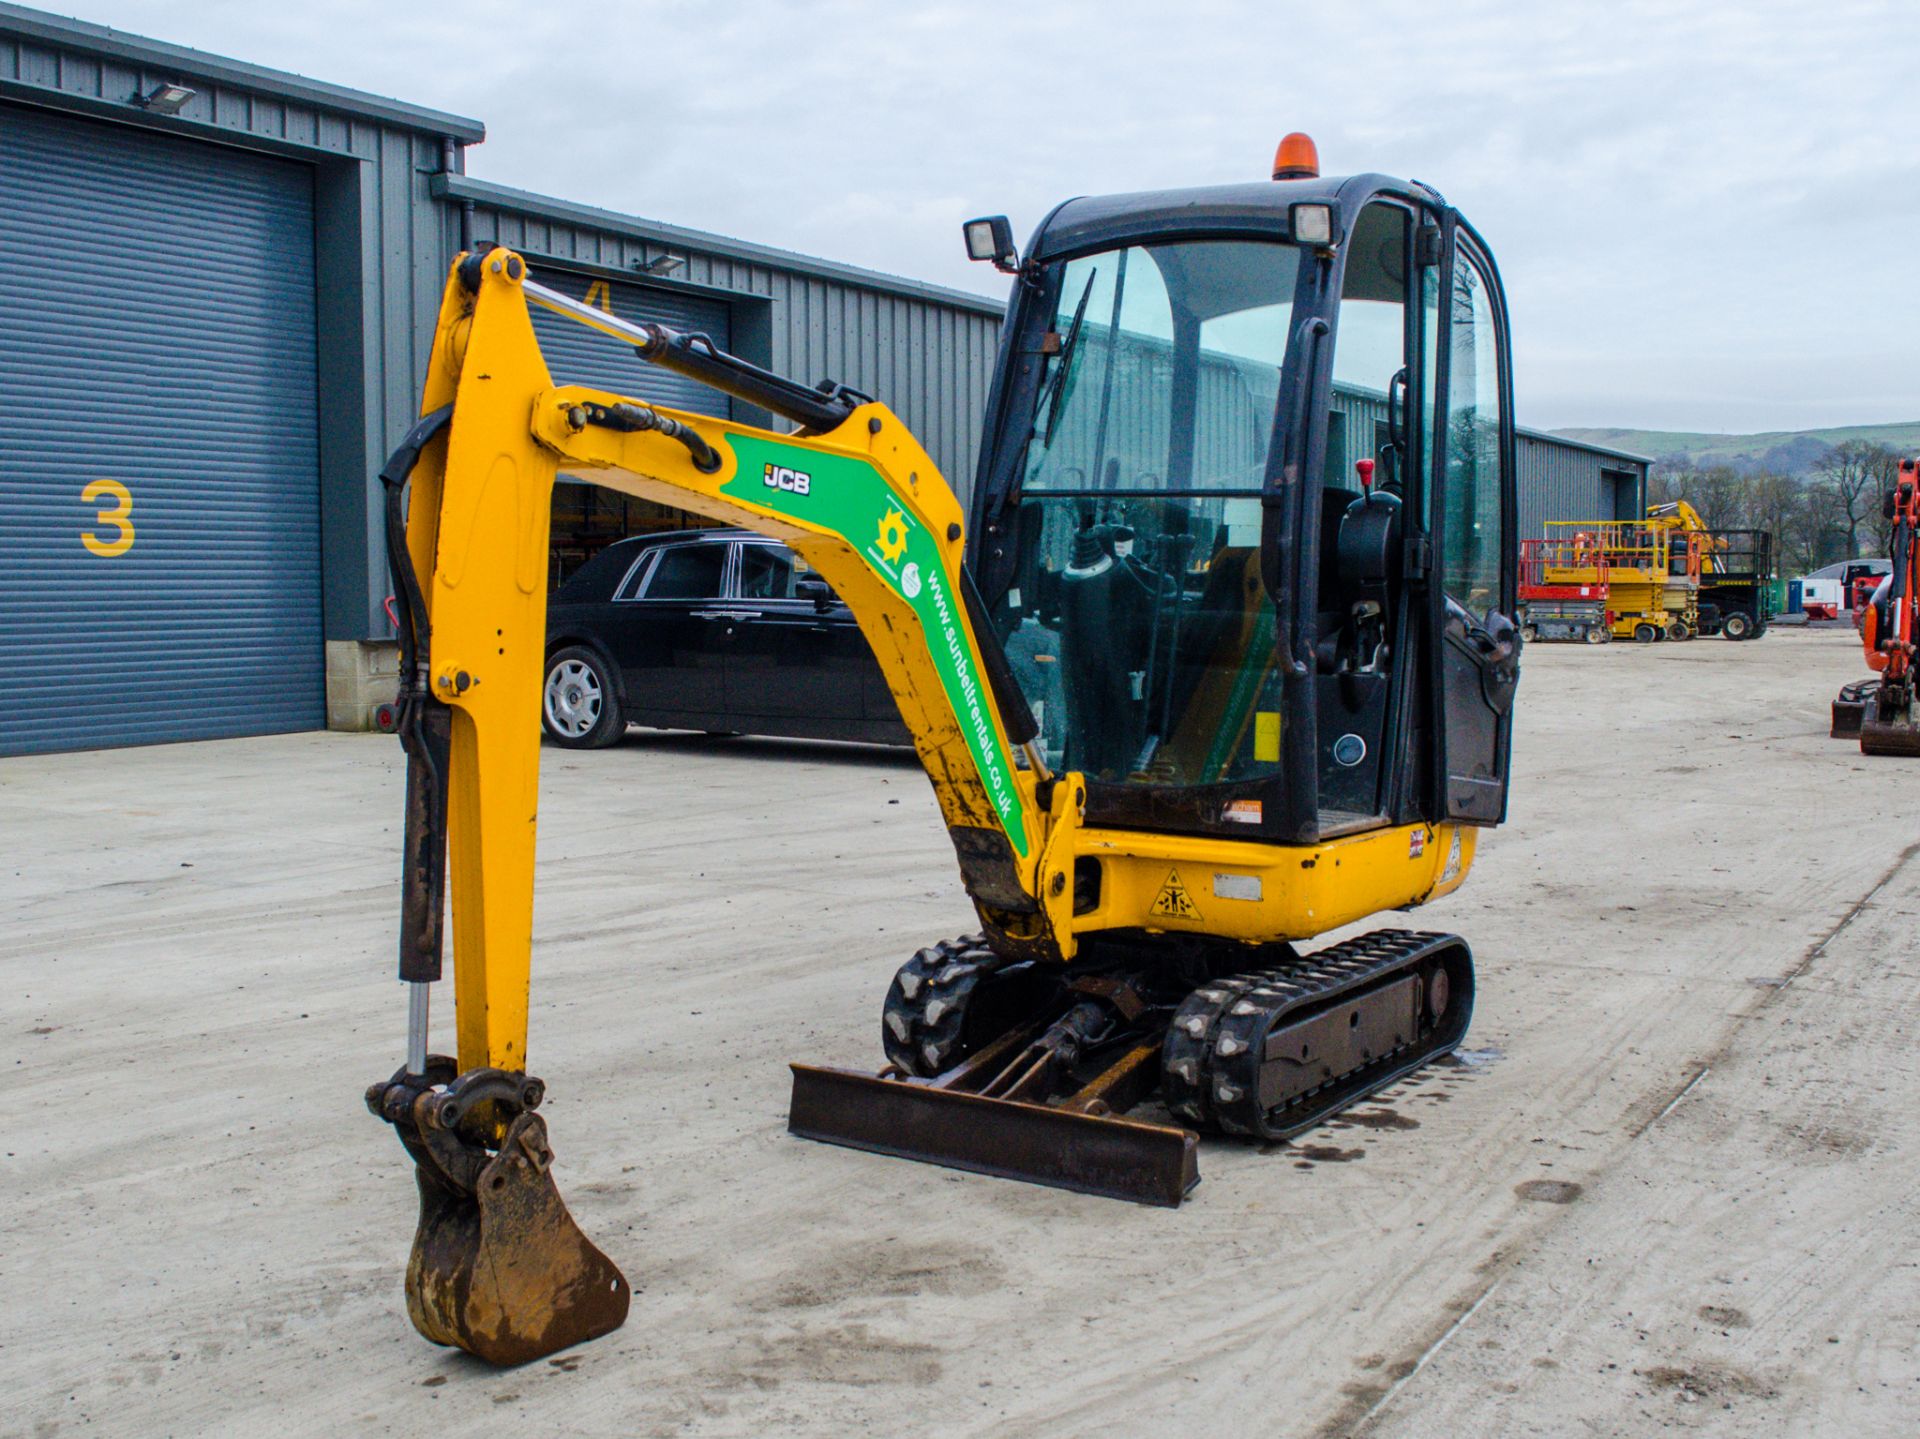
column 586, row 605
column 671, row 635
column 1477, row 656
column 791, row 657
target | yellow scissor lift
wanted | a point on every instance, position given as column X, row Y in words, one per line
column 1652, row 574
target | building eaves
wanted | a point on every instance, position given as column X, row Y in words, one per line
column 1550, row 438
column 187, row 65
column 524, row 202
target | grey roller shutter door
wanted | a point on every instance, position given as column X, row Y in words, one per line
column 156, row 333
column 577, row 355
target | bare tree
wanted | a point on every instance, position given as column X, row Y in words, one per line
column 1879, row 522
column 1774, row 504
column 1849, row 477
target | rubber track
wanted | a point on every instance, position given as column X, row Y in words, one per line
column 1217, row 1042
column 926, row 1006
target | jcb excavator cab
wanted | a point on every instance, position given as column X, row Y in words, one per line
column 1244, row 522
column 1243, row 527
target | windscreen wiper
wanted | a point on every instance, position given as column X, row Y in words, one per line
column 1056, row 387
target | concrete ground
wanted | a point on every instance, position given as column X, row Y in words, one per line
column 1670, row 1187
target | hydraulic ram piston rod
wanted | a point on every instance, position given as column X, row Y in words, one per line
column 698, row 358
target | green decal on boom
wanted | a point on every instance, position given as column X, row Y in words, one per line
column 849, row 496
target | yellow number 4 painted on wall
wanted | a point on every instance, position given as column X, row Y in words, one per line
column 120, row 516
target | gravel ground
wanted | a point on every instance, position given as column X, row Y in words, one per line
column 1669, row 1186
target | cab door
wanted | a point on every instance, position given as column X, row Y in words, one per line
column 1477, row 655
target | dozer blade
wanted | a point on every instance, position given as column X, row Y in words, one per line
column 503, row 1272
column 1847, row 718
column 1068, row 1149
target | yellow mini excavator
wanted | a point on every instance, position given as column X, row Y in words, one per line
column 1220, row 660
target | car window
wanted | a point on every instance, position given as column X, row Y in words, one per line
column 774, row 572
column 687, row 572
column 594, row 581
column 636, row 577
column 766, row 573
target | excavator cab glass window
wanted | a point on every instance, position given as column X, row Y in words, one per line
column 1137, row 623
column 1360, row 615
column 1473, row 522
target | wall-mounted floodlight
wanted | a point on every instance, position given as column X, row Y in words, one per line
column 659, row 265
column 991, row 238
column 168, row 98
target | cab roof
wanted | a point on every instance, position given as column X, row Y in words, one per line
column 1259, row 207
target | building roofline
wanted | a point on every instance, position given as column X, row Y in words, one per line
column 189, row 64
column 1526, row 434
column 525, row 202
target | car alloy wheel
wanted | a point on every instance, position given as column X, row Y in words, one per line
column 574, row 699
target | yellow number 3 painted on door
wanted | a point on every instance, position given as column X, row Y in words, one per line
column 120, row 516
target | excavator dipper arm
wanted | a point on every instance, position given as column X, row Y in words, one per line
column 498, row 1267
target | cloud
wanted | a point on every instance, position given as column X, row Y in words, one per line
column 1701, row 211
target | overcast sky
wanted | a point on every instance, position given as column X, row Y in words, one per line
column 1707, row 216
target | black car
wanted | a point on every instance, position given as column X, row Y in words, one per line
column 715, row 630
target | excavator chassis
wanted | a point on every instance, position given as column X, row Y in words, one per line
column 1266, row 1054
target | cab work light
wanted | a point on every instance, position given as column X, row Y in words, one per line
column 1310, row 223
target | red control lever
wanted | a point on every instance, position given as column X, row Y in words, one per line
column 1364, row 468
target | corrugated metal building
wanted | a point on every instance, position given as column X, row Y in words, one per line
column 219, row 285
column 1562, row 479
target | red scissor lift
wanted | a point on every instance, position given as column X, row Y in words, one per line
column 1565, row 610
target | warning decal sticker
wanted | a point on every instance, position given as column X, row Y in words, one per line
column 1173, row 901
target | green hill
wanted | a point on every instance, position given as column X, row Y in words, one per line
column 1790, row 452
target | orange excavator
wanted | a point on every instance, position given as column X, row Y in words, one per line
column 1880, row 710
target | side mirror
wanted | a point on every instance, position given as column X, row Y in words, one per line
column 812, row 587
column 991, row 238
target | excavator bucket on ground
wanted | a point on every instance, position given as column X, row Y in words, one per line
column 499, row 1268
column 1887, row 723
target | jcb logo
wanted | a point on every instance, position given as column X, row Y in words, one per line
column 794, row 482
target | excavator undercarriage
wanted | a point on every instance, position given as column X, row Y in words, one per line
column 998, row 1067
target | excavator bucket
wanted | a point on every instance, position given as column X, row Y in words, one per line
column 503, row 1272
column 499, row 1268
column 1888, row 723
column 1889, row 737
